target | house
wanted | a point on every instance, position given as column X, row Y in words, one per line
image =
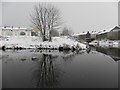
column 80, row 36
column 12, row 37
column 36, row 32
column 8, row 31
column 88, row 37
column 101, row 36
column 114, row 34
column 85, row 36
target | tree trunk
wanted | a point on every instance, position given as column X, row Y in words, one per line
column 44, row 38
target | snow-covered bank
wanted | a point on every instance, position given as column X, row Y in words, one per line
column 106, row 43
column 62, row 41
column 36, row 42
column 25, row 42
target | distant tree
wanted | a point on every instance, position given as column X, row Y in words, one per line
column 54, row 33
column 45, row 18
column 66, row 32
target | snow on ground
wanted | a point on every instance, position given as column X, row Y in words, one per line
column 33, row 42
column 106, row 43
column 94, row 43
column 61, row 41
column 25, row 42
column 67, row 40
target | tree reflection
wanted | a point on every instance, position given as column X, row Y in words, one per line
column 47, row 73
column 70, row 55
column 88, row 50
column 47, row 70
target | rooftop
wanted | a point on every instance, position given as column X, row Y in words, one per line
column 13, row 28
column 116, row 28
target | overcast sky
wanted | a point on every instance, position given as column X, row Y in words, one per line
column 80, row 16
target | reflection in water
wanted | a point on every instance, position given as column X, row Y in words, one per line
column 46, row 74
column 88, row 50
column 49, row 69
column 46, row 71
column 112, row 52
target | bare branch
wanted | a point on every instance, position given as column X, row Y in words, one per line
column 46, row 18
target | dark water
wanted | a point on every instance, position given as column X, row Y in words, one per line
column 94, row 68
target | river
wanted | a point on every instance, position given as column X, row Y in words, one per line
column 93, row 68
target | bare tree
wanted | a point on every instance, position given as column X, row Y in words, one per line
column 53, row 20
column 45, row 18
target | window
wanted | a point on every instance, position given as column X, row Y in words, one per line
column 8, row 33
column 22, row 33
column 34, row 34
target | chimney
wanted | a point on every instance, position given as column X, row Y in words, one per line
column 19, row 27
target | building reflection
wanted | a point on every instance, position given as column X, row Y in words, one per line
column 112, row 52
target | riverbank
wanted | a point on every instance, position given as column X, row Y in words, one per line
column 62, row 42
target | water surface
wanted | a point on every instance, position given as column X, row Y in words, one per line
column 94, row 68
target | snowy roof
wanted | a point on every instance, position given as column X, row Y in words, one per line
column 14, row 28
column 83, row 33
column 99, row 32
column 94, row 32
column 116, row 28
column 105, row 31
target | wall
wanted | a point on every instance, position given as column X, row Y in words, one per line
column 101, row 36
column 114, row 35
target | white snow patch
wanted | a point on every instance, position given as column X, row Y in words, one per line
column 33, row 42
column 106, row 43
column 61, row 41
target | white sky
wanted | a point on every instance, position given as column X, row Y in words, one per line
column 80, row 16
